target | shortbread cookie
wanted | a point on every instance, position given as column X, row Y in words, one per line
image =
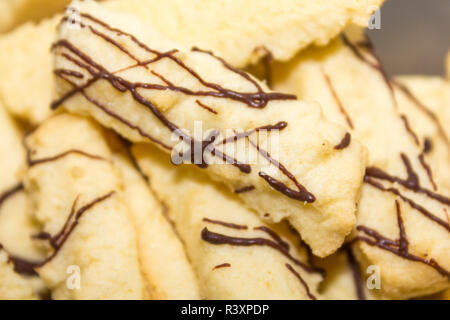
column 16, row 12
column 242, row 30
column 234, row 253
column 76, row 195
column 311, row 175
column 403, row 225
column 26, row 65
column 163, row 260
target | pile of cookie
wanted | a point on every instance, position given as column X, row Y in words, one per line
column 313, row 175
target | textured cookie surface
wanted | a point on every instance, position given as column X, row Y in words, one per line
column 76, row 196
column 310, row 175
column 234, row 253
column 242, row 30
column 403, row 225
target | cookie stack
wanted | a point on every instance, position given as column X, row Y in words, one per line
column 218, row 150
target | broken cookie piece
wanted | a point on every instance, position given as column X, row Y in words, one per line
column 403, row 225
column 134, row 80
column 234, row 253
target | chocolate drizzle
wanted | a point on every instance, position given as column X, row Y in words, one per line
column 57, row 241
column 410, row 130
column 32, row 162
column 226, row 224
column 221, row 239
column 356, row 273
column 21, row 266
column 204, row 106
column 258, row 99
column 223, row 265
column 338, row 100
column 345, row 142
column 4, row 196
column 399, row 247
column 244, row 189
column 303, row 282
column 428, row 112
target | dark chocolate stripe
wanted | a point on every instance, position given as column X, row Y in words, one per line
column 223, row 265
column 220, row 239
column 58, row 240
column 345, row 142
column 356, row 273
column 226, row 224
column 303, row 282
column 4, row 196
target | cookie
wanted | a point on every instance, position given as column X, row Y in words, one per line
column 313, row 181
column 26, row 62
column 163, row 260
column 402, row 225
column 238, row 30
column 16, row 12
column 75, row 191
column 234, row 253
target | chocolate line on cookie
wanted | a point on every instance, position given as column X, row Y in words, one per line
column 398, row 247
column 4, row 196
column 221, row 239
column 302, row 281
column 427, row 111
column 411, row 183
column 21, row 266
column 428, row 170
column 356, row 274
column 244, row 189
column 57, row 241
column 409, row 129
column 223, row 265
column 274, row 236
column 204, row 106
column 255, row 100
column 337, row 99
column 345, row 142
column 226, row 224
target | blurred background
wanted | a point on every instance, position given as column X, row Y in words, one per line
column 414, row 37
